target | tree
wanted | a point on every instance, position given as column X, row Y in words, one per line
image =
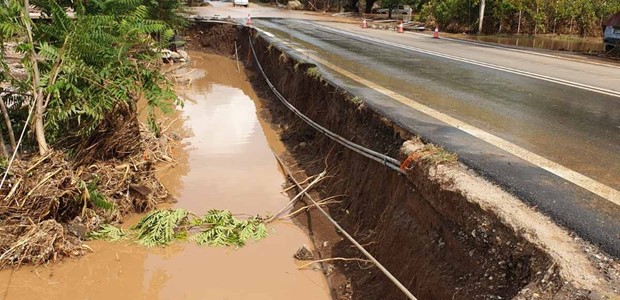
column 369, row 5
column 522, row 16
column 31, row 60
column 81, row 69
column 481, row 19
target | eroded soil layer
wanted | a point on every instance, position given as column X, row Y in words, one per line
column 436, row 241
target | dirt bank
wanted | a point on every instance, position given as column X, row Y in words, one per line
column 441, row 230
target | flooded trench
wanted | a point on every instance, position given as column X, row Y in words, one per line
column 225, row 162
column 435, row 235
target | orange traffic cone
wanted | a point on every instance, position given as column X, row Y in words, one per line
column 364, row 23
column 400, row 28
column 436, row 33
column 248, row 22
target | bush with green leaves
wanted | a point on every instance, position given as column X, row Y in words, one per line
column 82, row 66
column 162, row 227
column 583, row 17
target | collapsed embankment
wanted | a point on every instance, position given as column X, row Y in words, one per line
column 441, row 230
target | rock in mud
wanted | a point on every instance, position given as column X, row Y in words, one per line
column 172, row 56
column 140, row 189
column 184, row 55
column 304, row 253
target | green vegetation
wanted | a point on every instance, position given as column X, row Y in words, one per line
column 109, row 233
column 575, row 17
column 71, row 82
column 437, row 155
column 162, row 227
column 82, row 67
column 357, row 100
column 91, row 193
column 313, row 72
column 582, row 17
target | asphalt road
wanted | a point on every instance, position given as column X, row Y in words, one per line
column 576, row 127
column 536, row 123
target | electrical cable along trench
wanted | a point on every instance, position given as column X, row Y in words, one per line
column 376, row 156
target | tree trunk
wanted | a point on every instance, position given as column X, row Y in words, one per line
column 482, row 4
column 354, row 5
column 519, row 21
column 3, row 152
column 39, row 129
column 536, row 20
column 369, row 4
column 37, row 90
column 9, row 125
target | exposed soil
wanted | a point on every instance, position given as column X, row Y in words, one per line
column 441, row 238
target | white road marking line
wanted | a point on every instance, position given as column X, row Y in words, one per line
column 267, row 33
column 477, row 63
column 579, row 179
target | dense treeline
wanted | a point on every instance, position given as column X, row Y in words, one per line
column 578, row 17
column 582, row 17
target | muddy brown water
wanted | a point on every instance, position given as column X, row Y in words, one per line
column 587, row 45
column 225, row 163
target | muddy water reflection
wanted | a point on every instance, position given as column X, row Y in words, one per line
column 543, row 42
column 226, row 163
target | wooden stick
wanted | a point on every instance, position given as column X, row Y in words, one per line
column 303, row 192
column 13, row 191
column 38, row 162
column 332, row 259
column 237, row 57
column 39, row 185
column 292, row 186
column 320, row 202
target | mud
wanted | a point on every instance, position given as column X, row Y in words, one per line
column 224, row 162
column 442, row 238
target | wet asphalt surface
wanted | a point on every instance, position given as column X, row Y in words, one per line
column 576, row 128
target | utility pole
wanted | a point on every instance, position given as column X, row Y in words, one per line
column 482, row 3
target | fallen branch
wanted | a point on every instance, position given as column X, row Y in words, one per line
column 307, row 207
column 292, row 186
column 38, row 162
column 169, row 125
column 9, row 125
column 46, row 178
column 12, row 192
column 237, row 58
column 298, row 196
column 332, row 259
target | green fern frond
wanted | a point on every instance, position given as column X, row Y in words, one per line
column 160, row 227
column 109, row 233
